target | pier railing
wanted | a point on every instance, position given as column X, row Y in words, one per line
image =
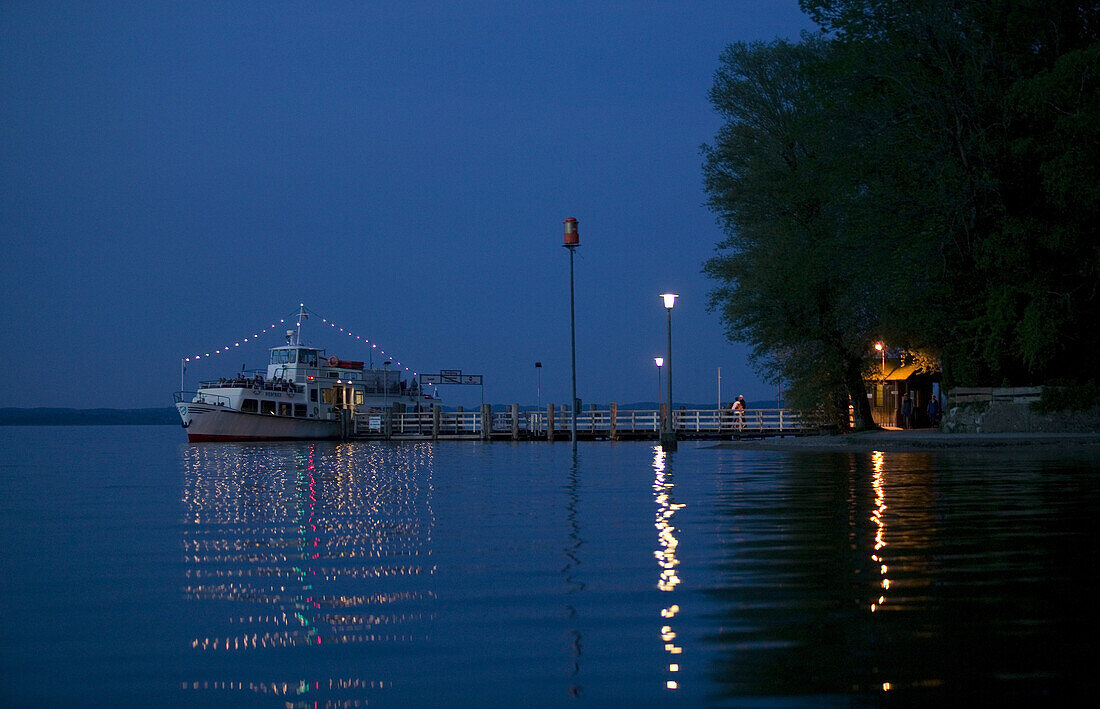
column 593, row 424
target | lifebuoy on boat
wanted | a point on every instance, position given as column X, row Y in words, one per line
column 333, row 361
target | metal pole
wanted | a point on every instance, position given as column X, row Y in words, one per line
column 573, row 349
column 668, row 372
column 668, row 440
column 658, row 390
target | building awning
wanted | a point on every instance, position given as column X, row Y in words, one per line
column 900, row 374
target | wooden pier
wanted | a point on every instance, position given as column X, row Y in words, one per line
column 609, row 424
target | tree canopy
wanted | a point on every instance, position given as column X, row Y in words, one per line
column 923, row 172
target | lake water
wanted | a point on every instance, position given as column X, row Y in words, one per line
column 141, row 570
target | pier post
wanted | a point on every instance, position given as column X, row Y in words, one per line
column 486, row 421
column 550, row 422
column 515, row 422
column 387, row 423
column 437, row 415
column 613, row 432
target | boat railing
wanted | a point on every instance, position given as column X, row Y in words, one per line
column 615, row 423
column 201, row 397
column 250, row 383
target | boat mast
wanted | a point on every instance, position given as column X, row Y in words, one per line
column 302, row 315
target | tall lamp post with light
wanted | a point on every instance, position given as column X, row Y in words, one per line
column 879, row 346
column 668, row 432
column 571, row 241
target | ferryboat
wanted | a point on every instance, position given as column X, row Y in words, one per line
column 304, row 394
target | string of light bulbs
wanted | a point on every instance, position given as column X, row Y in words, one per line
column 297, row 320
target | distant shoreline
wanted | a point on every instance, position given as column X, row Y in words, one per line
column 160, row 416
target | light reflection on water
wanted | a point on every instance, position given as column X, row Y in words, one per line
column 305, row 545
column 666, row 559
column 343, row 575
column 878, row 517
column 907, row 578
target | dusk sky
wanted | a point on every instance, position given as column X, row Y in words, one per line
column 177, row 176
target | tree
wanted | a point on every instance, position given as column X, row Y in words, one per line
column 922, row 171
column 991, row 107
column 790, row 284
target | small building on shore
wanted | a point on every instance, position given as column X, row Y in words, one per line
column 887, row 392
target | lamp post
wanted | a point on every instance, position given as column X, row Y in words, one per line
column 538, row 370
column 572, row 240
column 659, row 361
column 879, row 346
column 386, row 383
column 668, row 434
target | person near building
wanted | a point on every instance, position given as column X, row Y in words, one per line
column 906, row 411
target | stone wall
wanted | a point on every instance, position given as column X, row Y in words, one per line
column 1007, row 417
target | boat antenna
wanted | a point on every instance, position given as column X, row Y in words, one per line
column 302, row 315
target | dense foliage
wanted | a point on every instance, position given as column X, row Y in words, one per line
column 923, row 172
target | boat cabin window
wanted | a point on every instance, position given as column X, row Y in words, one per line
column 267, row 407
column 313, row 395
column 284, row 408
column 326, row 396
column 283, row 356
column 250, row 406
column 300, row 410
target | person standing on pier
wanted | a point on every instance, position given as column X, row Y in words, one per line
column 906, row 411
column 739, row 412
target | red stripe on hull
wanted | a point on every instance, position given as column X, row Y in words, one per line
column 209, row 437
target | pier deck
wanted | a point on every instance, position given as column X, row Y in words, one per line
column 550, row 425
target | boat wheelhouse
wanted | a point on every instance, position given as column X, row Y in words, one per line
column 303, row 394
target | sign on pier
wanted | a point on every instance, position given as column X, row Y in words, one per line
column 451, row 376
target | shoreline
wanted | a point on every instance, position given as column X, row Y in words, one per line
column 916, row 440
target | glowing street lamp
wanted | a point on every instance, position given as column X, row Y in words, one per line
column 879, row 346
column 668, row 434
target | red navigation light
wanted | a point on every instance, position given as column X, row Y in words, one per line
column 572, row 236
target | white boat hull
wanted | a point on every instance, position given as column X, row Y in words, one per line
column 206, row 422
